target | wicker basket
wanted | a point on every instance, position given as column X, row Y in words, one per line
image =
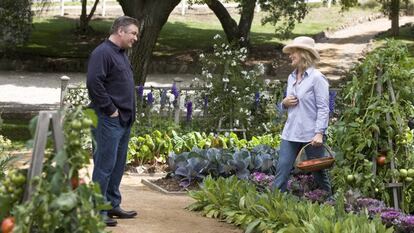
column 312, row 165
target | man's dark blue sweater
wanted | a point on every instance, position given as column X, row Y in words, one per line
column 110, row 82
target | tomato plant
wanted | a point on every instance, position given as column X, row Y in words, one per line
column 376, row 104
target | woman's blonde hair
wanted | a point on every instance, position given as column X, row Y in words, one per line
column 307, row 59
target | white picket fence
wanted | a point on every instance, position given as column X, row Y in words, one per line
column 63, row 7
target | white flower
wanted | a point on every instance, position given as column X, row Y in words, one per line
column 217, row 54
column 267, row 81
column 209, row 85
column 226, row 79
column 202, row 55
column 233, row 63
column 217, row 36
column 244, row 72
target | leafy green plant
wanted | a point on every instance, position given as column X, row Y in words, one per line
column 198, row 163
column 59, row 204
column 238, row 202
column 15, row 23
column 377, row 105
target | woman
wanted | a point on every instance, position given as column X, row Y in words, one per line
column 307, row 103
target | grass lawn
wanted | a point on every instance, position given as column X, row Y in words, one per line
column 57, row 37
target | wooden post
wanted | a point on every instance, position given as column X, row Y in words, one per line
column 103, row 7
column 177, row 82
column 183, row 6
column 39, row 147
column 62, row 7
column 64, row 80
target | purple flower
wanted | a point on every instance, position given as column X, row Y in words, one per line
column 370, row 202
column 140, row 91
column 189, row 106
column 409, row 220
column 174, row 91
column 150, row 98
column 405, row 224
column 317, row 195
column 389, row 216
column 332, row 95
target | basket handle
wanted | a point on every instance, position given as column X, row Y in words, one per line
column 299, row 156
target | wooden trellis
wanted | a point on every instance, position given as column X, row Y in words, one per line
column 46, row 118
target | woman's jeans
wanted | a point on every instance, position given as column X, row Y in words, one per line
column 109, row 156
column 287, row 156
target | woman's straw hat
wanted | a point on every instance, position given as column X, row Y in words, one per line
column 302, row 42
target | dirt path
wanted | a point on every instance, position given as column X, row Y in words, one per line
column 340, row 50
column 162, row 213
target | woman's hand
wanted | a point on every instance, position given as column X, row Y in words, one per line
column 317, row 140
column 289, row 101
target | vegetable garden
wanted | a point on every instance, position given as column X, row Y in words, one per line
column 369, row 132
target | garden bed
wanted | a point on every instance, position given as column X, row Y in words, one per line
column 169, row 185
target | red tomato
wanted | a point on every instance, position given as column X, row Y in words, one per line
column 7, row 225
column 74, row 181
column 381, row 160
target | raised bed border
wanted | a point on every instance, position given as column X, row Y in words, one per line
column 157, row 188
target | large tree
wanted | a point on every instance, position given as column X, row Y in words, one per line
column 86, row 18
column 389, row 7
column 153, row 15
column 283, row 14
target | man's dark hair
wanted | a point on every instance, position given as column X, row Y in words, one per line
column 123, row 21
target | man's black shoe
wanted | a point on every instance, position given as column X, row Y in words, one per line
column 120, row 213
column 110, row 222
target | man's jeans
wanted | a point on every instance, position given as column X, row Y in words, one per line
column 287, row 157
column 109, row 156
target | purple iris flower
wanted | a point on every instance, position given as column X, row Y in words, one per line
column 140, row 91
column 174, row 91
column 150, row 98
column 189, row 106
column 332, row 96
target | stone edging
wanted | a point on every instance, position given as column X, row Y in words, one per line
column 328, row 31
column 160, row 189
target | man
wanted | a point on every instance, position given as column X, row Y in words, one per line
column 110, row 84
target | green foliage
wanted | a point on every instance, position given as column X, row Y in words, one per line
column 230, row 87
column 238, row 202
column 283, row 14
column 156, row 146
column 60, row 203
column 292, row 12
column 15, row 23
column 364, row 130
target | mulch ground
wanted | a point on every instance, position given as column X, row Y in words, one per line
column 172, row 184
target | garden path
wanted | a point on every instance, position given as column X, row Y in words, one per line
column 340, row 50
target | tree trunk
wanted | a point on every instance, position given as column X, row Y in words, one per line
column 394, row 16
column 227, row 22
column 85, row 19
column 153, row 15
column 83, row 24
column 245, row 23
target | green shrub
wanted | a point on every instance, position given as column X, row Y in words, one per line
column 15, row 23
